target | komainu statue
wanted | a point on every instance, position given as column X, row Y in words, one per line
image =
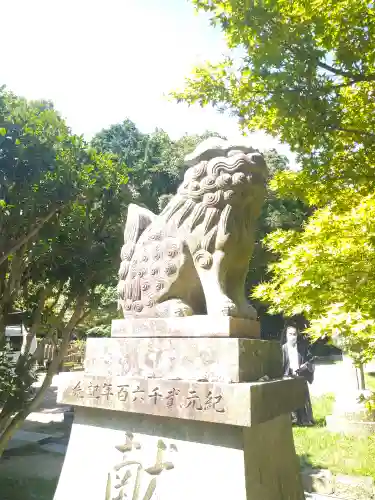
column 193, row 257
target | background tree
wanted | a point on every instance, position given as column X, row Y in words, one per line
column 277, row 213
column 304, row 71
column 43, row 168
column 57, row 275
column 326, row 272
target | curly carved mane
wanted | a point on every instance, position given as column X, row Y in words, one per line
column 160, row 251
column 207, row 195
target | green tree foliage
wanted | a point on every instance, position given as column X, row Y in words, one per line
column 327, row 273
column 43, row 169
column 277, row 213
column 304, row 71
column 57, row 273
column 15, row 384
column 97, row 323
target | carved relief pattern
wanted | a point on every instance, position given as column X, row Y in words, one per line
column 160, row 251
column 131, row 477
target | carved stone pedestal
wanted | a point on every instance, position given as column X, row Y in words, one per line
column 181, row 418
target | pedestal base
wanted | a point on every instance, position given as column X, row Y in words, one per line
column 187, row 326
column 113, row 455
column 176, row 414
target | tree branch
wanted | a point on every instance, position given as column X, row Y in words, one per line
column 359, row 77
column 27, row 237
column 353, row 131
column 58, row 295
column 19, row 418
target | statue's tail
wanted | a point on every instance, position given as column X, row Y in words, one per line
column 137, row 221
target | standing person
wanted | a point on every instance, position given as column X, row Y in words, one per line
column 298, row 362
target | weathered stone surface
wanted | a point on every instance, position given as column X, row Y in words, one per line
column 271, row 465
column 204, row 359
column 193, row 257
column 244, row 404
column 175, row 460
column 318, row 481
column 354, row 487
column 190, row 326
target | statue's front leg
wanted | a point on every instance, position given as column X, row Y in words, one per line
column 235, row 285
column 222, row 280
column 211, row 272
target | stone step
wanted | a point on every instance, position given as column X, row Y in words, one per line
column 322, row 482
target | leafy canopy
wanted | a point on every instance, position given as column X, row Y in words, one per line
column 42, row 169
column 303, row 71
column 327, row 273
column 61, row 219
column 61, row 205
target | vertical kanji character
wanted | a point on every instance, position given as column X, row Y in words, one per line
column 77, row 390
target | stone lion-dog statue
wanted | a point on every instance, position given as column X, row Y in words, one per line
column 193, row 257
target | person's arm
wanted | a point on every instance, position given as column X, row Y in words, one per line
column 309, row 361
column 307, row 368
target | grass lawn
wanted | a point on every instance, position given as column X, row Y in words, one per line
column 343, row 454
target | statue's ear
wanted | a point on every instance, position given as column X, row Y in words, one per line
column 136, row 222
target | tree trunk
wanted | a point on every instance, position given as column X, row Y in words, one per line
column 15, row 422
column 361, row 378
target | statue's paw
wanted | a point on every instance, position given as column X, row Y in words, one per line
column 180, row 310
column 228, row 308
column 174, row 308
column 249, row 312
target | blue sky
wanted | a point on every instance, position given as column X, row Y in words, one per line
column 103, row 61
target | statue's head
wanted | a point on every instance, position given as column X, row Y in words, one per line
column 221, row 172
